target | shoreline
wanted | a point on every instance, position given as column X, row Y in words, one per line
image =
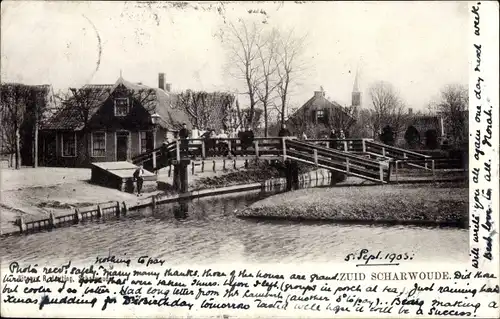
column 388, row 204
column 61, row 198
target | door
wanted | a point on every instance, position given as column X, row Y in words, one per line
column 122, row 146
column 48, row 153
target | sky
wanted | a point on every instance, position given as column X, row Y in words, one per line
column 418, row 47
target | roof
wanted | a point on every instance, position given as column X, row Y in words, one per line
column 319, row 102
column 425, row 122
column 162, row 103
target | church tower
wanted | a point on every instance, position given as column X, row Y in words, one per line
column 356, row 94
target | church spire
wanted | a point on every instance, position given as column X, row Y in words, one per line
column 356, row 93
column 356, row 84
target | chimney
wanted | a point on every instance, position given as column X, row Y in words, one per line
column 168, row 87
column 161, row 81
column 410, row 111
column 319, row 93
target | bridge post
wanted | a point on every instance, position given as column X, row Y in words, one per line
column 176, row 178
column 203, row 149
column 284, row 148
column 364, row 145
column 256, row 148
column 396, row 164
column 181, row 177
column 177, row 150
column 292, row 175
column 154, row 161
column 184, row 178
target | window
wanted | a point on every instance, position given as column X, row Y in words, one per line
column 68, row 144
column 320, row 115
column 98, row 144
column 121, row 107
column 143, row 141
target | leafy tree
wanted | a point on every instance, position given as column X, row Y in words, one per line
column 387, row 136
column 431, row 139
column 412, row 137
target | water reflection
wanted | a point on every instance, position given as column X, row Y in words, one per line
column 206, row 230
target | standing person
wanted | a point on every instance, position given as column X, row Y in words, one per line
column 249, row 136
column 138, row 177
column 184, row 135
column 342, row 137
column 333, row 136
column 304, row 136
column 243, row 140
column 222, row 145
column 284, row 132
column 206, row 139
column 195, row 135
column 233, row 135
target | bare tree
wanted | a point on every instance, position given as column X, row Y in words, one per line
column 207, row 110
column 388, row 107
column 289, row 66
column 15, row 99
column 453, row 106
column 243, row 47
column 343, row 118
column 267, row 83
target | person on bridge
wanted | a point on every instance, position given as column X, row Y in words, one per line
column 223, row 145
column 184, row 135
column 333, row 136
column 247, row 138
column 195, row 135
column 284, row 132
column 342, row 137
column 304, row 136
column 233, row 135
column 139, row 179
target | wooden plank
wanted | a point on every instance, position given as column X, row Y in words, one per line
column 336, row 169
column 341, row 166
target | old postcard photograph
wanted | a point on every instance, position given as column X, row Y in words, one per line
column 169, row 159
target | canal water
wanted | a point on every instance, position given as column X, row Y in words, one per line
column 207, row 231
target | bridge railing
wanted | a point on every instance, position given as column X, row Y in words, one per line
column 332, row 158
column 346, row 144
column 215, row 146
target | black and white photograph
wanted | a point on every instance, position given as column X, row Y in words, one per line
column 203, row 133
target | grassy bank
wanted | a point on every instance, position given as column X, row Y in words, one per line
column 439, row 204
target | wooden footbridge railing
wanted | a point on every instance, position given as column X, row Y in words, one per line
column 349, row 159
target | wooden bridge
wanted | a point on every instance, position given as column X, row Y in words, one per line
column 362, row 158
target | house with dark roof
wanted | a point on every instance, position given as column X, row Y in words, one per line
column 318, row 116
column 110, row 122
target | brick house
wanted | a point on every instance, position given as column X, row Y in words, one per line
column 125, row 120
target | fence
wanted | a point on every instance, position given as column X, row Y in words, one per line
column 117, row 209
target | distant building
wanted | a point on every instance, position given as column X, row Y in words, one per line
column 321, row 114
column 127, row 119
column 433, row 127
